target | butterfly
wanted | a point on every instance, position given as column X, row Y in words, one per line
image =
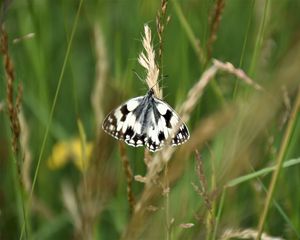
column 146, row 121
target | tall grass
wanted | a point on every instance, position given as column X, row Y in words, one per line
column 230, row 68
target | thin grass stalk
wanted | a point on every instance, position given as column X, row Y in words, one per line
column 207, row 129
column 279, row 160
column 228, row 67
column 166, row 194
column 24, row 142
column 101, row 73
column 54, row 104
column 262, row 172
column 237, row 83
column 147, row 60
column 160, row 159
column 204, row 193
column 214, row 26
column 129, row 175
column 83, row 142
column 13, row 108
column 213, row 204
column 187, row 107
column 259, row 39
column 219, row 213
column 190, row 34
column 200, row 53
column 280, row 209
column 245, row 234
column 73, row 82
column 71, row 204
column 56, row 97
column 161, row 22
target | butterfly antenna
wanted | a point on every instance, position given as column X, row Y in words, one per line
column 154, row 85
column 139, row 77
column 162, row 78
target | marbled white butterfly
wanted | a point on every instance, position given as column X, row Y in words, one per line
column 146, row 121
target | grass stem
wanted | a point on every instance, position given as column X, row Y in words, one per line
column 280, row 158
column 189, row 32
column 259, row 39
column 54, row 105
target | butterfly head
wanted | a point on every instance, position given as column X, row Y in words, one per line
column 151, row 92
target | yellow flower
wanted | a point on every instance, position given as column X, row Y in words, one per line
column 73, row 150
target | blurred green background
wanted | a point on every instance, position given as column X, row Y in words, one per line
column 75, row 201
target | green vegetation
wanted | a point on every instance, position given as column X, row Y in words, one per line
column 66, row 65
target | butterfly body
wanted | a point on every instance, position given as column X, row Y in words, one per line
column 146, row 121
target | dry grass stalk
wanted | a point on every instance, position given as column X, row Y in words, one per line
column 161, row 21
column 71, row 204
column 279, row 162
column 201, row 176
column 27, row 158
column 160, row 159
column 196, row 92
column 37, row 205
column 205, row 216
column 13, row 105
column 129, row 175
column 206, row 130
column 187, row 107
column 147, row 60
column 2, row 106
column 96, row 185
column 101, row 73
column 95, row 188
column 186, row 225
column 22, row 38
column 147, row 157
column 98, row 182
column 214, row 25
column 287, row 105
column 203, row 189
column 228, row 67
column 246, row 234
column 83, row 210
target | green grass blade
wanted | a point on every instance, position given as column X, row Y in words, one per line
column 239, row 180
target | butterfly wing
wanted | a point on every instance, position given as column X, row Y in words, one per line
column 165, row 124
column 122, row 123
column 146, row 121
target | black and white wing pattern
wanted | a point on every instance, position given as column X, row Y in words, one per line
column 169, row 124
column 122, row 124
column 146, row 121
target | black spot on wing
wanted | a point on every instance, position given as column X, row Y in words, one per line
column 168, row 116
column 161, row 136
column 139, row 139
column 124, row 110
column 181, row 136
column 110, row 125
column 129, row 132
column 136, row 141
column 153, row 146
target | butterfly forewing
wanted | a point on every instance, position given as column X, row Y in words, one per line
column 121, row 122
column 173, row 126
